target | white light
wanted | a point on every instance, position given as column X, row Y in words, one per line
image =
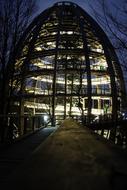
column 45, row 118
column 38, row 48
column 70, row 32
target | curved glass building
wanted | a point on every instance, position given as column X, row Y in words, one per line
column 66, row 67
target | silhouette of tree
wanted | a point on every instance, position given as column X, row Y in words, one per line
column 14, row 18
column 112, row 16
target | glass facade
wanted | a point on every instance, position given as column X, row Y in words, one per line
column 66, row 67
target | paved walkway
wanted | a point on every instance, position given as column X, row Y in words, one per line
column 12, row 156
column 72, row 158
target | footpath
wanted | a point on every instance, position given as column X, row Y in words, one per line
column 72, row 158
column 13, row 155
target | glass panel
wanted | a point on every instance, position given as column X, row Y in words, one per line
column 60, row 83
column 42, row 63
column 39, row 85
column 100, row 84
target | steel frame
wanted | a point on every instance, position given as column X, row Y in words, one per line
column 66, row 34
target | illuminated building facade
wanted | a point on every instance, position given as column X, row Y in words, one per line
column 66, row 67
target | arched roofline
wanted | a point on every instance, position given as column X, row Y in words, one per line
column 39, row 19
column 46, row 12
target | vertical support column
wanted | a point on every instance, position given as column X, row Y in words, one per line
column 33, row 118
column 54, row 90
column 65, row 89
column 81, row 94
column 86, row 52
column 65, row 95
column 21, row 118
column 113, row 85
column 54, row 75
column 99, row 105
column 113, row 93
column 71, row 97
column 25, row 69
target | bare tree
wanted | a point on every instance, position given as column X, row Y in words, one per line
column 14, row 18
column 112, row 17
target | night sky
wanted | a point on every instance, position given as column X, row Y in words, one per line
column 113, row 6
column 85, row 4
column 45, row 4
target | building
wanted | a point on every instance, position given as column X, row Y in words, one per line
column 66, row 67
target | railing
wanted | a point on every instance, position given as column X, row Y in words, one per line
column 14, row 127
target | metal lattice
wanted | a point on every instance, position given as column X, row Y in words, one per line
column 66, row 67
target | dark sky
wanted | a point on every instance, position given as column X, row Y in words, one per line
column 85, row 4
column 88, row 5
column 43, row 4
